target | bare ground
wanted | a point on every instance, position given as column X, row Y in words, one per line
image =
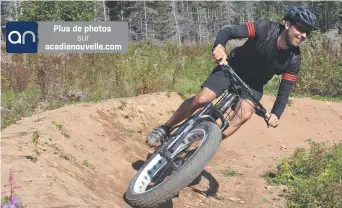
column 89, row 153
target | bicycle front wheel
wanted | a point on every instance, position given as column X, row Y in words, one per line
column 159, row 180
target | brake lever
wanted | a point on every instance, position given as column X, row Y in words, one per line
column 267, row 115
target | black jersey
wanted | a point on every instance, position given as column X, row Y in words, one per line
column 259, row 58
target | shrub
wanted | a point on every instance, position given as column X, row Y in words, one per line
column 314, row 176
column 18, row 104
column 321, row 70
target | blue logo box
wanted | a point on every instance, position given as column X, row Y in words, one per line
column 21, row 37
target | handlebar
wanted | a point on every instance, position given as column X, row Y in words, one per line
column 260, row 110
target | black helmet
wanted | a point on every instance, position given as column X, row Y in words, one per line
column 299, row 13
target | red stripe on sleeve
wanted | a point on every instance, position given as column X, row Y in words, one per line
column 251, row 29
column 289, row 77
column 248, row 29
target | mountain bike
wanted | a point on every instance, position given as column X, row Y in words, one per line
column 188, row 148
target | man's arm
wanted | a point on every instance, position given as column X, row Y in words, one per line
column 249, row 29
column 287, row 82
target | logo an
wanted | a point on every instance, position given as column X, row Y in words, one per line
column 21, row 37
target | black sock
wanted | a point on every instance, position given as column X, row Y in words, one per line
column 166, row 127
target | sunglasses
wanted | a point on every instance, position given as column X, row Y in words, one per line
column 302, row 29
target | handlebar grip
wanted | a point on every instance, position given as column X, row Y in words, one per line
column 268, row 115
column 264, row 114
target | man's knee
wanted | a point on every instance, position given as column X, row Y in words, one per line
column 246, row 116
column 200, row 100
column 244, row 111
column 203, row 97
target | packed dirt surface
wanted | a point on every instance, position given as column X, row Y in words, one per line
column 89, row 153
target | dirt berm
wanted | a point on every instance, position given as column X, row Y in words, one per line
column 89, row 153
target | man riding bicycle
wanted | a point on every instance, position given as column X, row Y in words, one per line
column 271, row 48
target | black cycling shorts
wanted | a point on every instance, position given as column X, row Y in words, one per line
column 218, row 82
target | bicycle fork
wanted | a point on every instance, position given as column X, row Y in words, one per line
column 209, row 112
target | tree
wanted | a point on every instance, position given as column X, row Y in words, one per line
column 173, row 20
column 58, row 11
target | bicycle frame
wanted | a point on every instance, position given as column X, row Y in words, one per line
column 237, row 82
column 213, row 112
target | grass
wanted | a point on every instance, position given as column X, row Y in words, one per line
column 60, row 127
column 269, row 192
column 264, row 200
column 94, row 98
column 170, row 111
column 63, row 155
column 102, row 149
column 122, row 105
column 15, row 105
column 230, row 173
column 57, row 125
column 49, row 81
column 57, row 150
column 88, row 164
column 39, row 119
column 4, row 200
column 314, row 176
column 127, row 131
column 36, row 141
column 327, row 98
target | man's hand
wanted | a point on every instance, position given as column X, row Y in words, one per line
column 219, row 54
column 273, row 120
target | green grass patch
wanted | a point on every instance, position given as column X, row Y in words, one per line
column 57, row 125
column 314, row 176
column 61, row 128
column 88, row 164
column 102, row 149
column 15, row 105
column 264, row 200
column 36, row 141
column 327, row 98
column 230, row 173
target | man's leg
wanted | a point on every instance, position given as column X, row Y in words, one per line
column 212, row 87
column 238, row 116
column 187, row 108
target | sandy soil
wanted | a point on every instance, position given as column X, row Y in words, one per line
column 89, row 153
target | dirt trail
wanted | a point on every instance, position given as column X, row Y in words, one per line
column 89, row 154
